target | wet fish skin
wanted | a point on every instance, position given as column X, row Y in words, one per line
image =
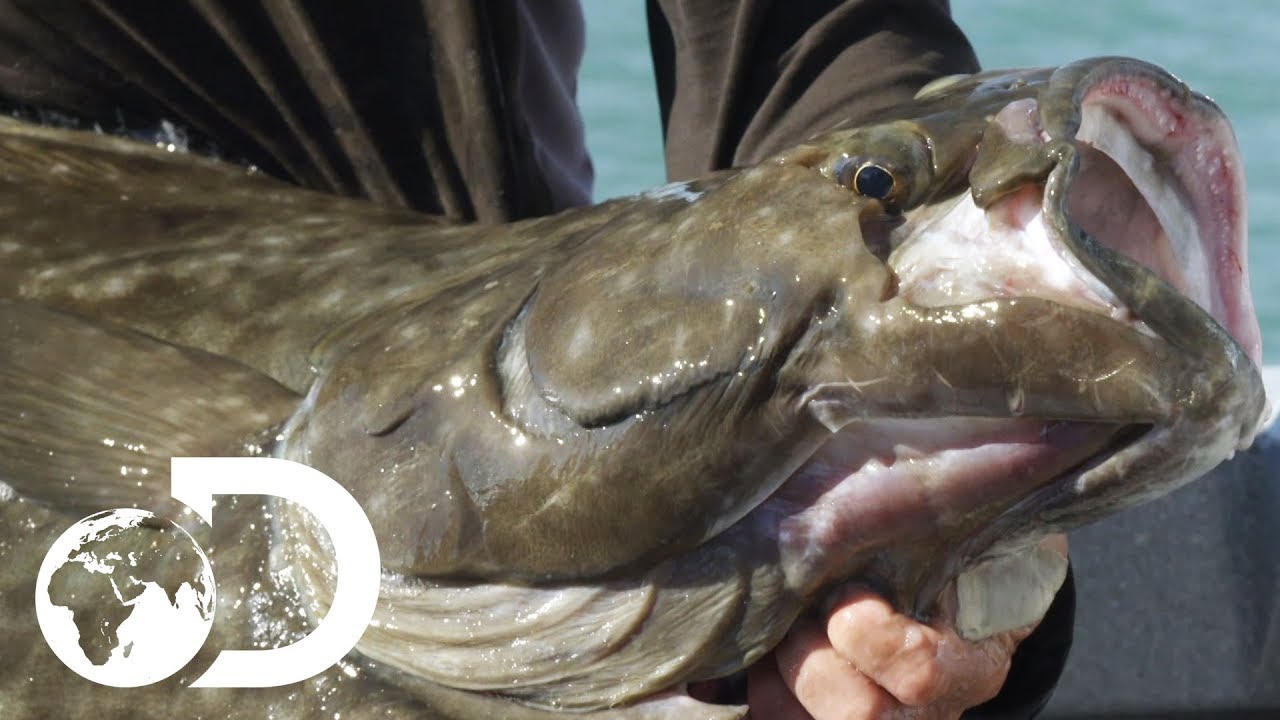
column 457, row 330
column 467, row 481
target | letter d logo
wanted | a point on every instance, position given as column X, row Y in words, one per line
column 195, row 482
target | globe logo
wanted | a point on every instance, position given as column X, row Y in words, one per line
column 125, row 598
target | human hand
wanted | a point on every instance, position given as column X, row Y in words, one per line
column 871, row 662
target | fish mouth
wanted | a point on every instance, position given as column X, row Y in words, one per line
column 1138, row 217
column 1174, row 199
column 1141, row 180
column 1112, row 198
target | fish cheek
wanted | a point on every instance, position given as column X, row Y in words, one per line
column 652, row 328
column 627, row 355
column 656, row 305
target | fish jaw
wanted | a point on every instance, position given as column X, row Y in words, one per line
column 1106, row 198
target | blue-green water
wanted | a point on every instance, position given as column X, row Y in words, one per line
column 1229, row 50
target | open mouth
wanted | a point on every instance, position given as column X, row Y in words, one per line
column 1159, row 182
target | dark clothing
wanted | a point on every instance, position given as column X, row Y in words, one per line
column 739, row 81
column 459, row 107
column 464, row 107
column 467, row 107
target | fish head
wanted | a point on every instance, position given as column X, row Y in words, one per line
column 1068, row 330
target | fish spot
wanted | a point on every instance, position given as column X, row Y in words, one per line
column 115, row 286
column 678, row 191
column 48, row 275
column 680, row 337
column 580, row 343
column 333, row 298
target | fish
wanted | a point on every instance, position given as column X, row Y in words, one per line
column 616, row 450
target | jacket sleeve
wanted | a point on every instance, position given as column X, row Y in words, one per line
column 461, row 108
column 739, row 80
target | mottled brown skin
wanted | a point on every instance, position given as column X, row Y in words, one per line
column 589, row 398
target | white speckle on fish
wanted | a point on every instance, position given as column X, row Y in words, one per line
column 115, row 286
column 678, row 190
column 333, row 298
column 581, row 340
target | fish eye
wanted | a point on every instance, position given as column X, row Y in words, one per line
column 868, row 178
column 873, row 181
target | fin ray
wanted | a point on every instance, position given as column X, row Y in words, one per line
column 91, row 413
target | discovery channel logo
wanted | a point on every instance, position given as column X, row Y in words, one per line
column 159, row 626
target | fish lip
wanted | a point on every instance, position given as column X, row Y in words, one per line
column 1189, row 135
column 1228, row 406
column 1184, row 134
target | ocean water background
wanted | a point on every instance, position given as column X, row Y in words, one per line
column 1229, row 51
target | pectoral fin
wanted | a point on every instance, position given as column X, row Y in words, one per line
column 91, row 413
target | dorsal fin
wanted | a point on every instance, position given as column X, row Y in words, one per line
column 91, row 413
